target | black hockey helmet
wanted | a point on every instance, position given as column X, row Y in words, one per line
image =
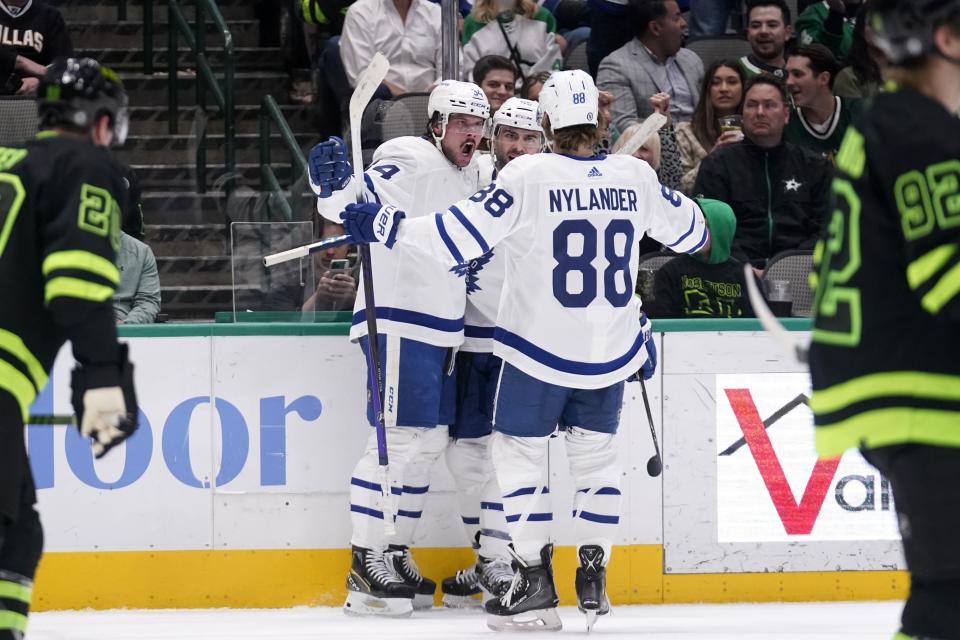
column 74, row 92
column 903, row 29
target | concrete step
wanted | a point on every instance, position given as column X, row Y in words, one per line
column 153, row 120
column 100, row 10
column 214, row 208
column 181, row 149
column 197, row 270
column 125, row 59
column 166, row 177
column 115, row 35
column 168, row 240
column 249, row 87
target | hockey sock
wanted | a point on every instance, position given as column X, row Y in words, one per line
column 494, row 535
column 596, row 476
column 468, row 460
column 15, row 594
column 519, row 463
column 416, row 482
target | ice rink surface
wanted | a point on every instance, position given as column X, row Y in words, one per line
column 823, row 621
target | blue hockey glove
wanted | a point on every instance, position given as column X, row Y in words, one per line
column 329, row 166
column 650, row 366
column 369, row 222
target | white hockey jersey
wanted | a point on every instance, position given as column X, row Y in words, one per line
column 417, row 296
column 484, row 285
column 570, row 228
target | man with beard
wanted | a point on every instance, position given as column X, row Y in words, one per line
column 420, row 316
column 516, row 132
column 768, row 29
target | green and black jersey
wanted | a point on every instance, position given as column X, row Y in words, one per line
column 885, row 357
column 824, row 139
column 59, row 231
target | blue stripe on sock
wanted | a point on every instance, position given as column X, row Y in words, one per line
column 415, row 490
column 596, row 517
column 468, row 520
column 366, row 511
column 526, row 491
column 492, row 506
column 603, row 491
column 375, row 486
column 533, row 517
column 409, row 514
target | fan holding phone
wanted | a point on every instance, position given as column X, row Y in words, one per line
column 336, row 275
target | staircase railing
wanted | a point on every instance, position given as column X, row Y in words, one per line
column 222, row 91
column 270, row 114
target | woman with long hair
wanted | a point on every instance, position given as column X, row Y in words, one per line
column 515, row 29
column 721, row 95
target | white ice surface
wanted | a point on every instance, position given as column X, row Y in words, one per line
column 823, row 621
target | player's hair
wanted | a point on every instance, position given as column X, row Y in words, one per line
column 486, row 64
column 770, row 79
column 645, row 12
column 704, row 120
column 540, row 77
column 819, row 57
column 572, row 138
column 485, row 11
column 779, row 4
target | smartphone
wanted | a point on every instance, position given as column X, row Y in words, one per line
column 339, row 265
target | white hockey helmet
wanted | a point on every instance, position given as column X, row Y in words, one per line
column 519, row 113
column 453, row 96
column 570, row 98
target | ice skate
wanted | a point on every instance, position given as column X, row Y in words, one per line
column 530, row 603
column 463, row 591
column 496, row 575
column 591, row 583
column 401, row 562
column 373, row 590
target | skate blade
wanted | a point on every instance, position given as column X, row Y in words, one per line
column 423, row 601
column 362, row 604
column 462, row 602
column 591, row 619
column 535, row 620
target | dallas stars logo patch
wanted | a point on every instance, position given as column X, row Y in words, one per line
column 792, row 185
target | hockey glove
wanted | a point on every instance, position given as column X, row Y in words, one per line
column 650, row 366
column 108, row 415
column 329, row 166
column 368, row 222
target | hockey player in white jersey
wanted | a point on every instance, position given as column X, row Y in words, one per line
column 420, row 317
column 569, row 330
column 516, row 132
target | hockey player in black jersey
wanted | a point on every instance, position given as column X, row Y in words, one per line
column 59, row 231
column 885, row 357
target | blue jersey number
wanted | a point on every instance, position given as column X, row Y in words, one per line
column 386, row 171
column 618, row 262
column 497, row 200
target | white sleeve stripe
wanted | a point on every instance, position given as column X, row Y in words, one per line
column 693, row 224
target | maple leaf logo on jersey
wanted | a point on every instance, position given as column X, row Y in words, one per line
column 594, row 173
column 471, row 270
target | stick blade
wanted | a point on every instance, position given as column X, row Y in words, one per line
column 654, row 122
column 769, row 321
column 367, row 85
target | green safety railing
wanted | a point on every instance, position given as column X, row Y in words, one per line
column 270, row 117
column 221, row 90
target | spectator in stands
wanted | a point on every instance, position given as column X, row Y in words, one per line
column 768, row 29
column 137, row 299
column 721, row 95
column 533, row 84
column 710, row 17
column 35, row 30
column 653, row 62
column 861, row 78
column 610, row 29
column 13, row 68
column 829, row 23
column 497, row 76
column 337, row 275
column 778, row 191
column 698, row 286
column 407, row 32
column 819, row 119
column 573, row 21
column 519, row 30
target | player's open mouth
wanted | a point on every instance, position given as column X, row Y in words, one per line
column 467, row 148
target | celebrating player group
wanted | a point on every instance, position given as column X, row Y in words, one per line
column 506, row 313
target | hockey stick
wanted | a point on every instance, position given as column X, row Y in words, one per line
column 305, row 250
column 654, row 464
column 637, row 139
column 51, row 419
column 367, row 84
column 769, row 321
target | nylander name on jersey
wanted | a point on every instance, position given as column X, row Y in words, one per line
column 568, row 314
column 604, row 199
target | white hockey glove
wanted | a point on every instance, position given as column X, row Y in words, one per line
column 103, row 410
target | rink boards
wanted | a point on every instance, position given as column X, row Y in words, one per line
column 233, row 493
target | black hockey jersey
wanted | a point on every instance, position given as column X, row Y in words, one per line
column 59, row 231
column 885, row 357
column 35, row 31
